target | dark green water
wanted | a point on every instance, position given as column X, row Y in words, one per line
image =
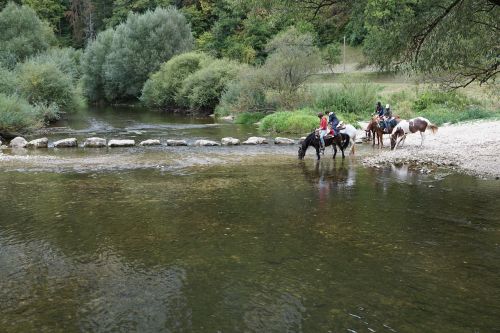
column 251, row 241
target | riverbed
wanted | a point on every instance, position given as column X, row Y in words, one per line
column 238, row 239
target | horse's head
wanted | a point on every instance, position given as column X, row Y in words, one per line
column 398, row 131
column 305, row 144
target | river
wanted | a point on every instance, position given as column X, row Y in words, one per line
column 238, row 239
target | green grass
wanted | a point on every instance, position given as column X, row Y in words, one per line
column 297, row 122
column 248, row 117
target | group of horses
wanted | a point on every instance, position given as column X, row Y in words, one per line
column 398, row 129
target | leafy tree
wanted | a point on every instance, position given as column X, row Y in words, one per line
column 122, row 8
column 51, row 11
column 22, row 35
column 121, row 60
column 331, row 54
column 293, row 58
column 203, row 89
column 92, row 65
column 456, row 40
column 44, row 83
column 162, row 87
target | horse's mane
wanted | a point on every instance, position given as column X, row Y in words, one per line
column 309, row 140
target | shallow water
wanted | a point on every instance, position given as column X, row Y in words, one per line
column 246, row 240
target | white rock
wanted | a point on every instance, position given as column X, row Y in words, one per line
column 94, row 143
column 255, row 140
column 206, row 143
column 230, row 141
column 230, row 118
column 150, row 142
column 283, row 141
column 66, row 143
column 176, row 143
column 18, row 142
column 121, row 143
column 38, row 143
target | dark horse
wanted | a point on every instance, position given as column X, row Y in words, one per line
column 342, row 141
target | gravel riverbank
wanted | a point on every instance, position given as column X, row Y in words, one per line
column 472, row 147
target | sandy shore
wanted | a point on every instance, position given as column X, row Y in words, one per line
column 472, row 147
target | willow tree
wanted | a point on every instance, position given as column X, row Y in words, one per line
column 454, row 40
column 121, row 59
column 22, row 34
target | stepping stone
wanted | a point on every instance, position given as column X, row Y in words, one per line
column 121, row 143
column 94, row 143
column 150, row 142
column 66, row 143
column 283, row 141
column 255, row 140
column 176, row 143
column 18, row 142
column 206, row 143
column 230, row 141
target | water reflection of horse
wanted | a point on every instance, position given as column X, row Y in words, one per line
column 404, row 128
column 328, row 177
column 341, row 140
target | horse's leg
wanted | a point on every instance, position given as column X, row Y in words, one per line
column 373, row 131
column 334, row 150
column 317, row 152
column 422, row 134
column 401, row 141
column 342, row 150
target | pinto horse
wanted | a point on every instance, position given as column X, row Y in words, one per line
column 414, row 125
column 374, row 127
column 341, row 140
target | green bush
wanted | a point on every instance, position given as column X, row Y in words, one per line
column 8, row 81
column 139, row 47
column 161, row 88
column 66, row 59
column 355, row 98
column 249, row 117
column 16, row 114
column 203, row 88
column 297, row 122
column 22, row 35
column 439, row 106
column 246, row 93
column 45, row 83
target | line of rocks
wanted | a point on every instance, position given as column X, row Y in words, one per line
column 95, row 142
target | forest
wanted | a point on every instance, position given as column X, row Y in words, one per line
column 250, row 59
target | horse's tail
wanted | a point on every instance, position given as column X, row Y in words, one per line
column 432, row 126
column 346, row 142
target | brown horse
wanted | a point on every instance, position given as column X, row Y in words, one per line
column 374, row 127
column 414, row 125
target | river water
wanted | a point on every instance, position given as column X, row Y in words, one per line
column 238, row 239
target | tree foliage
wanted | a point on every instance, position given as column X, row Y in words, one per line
column 202, row 89
column 161, row 89
column 457, row 40
column 22, row 35
column 128, row 54
column 43, row 83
